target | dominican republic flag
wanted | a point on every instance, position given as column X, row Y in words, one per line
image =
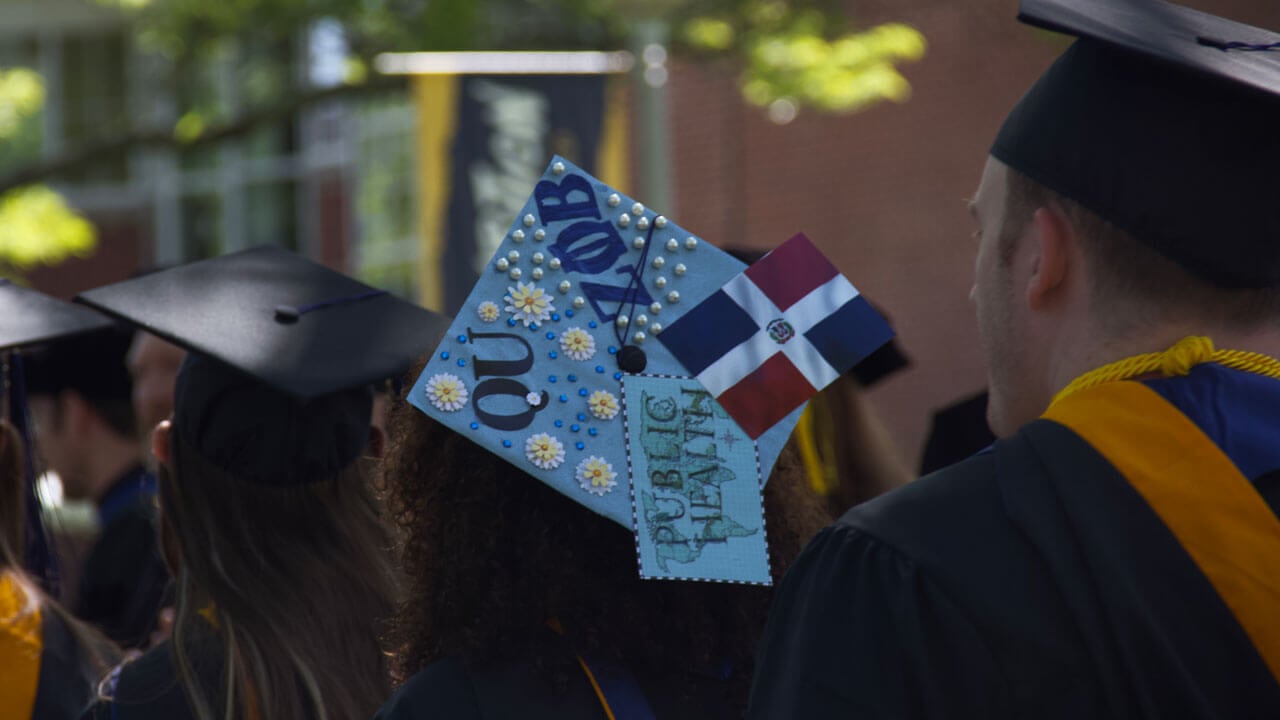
column 775, row 335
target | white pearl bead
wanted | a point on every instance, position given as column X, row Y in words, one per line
column 564, row 286
column 655, row 308
column 538, row 258
column 614, row 200
column 558, row 168
column 658, row 262
column 539, row 234
column 673, row 245
column 642, row 223
column 622, row 321
column 681, row 269
column 637, row 209
column 639, row 337
column 659, row 282
column 529, row 220
column 660, row 221
column 515, row 274
column 690, row 243
column 642, row 320
column 514, row 256
column 624, row 220
column 673, row 297
column 579, row 302
column 536, row 274
column 502, row 265
column 638, row 243
column 517, row 236
column 554, row 264
column 655, row 328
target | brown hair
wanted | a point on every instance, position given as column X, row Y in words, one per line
column 491, row 554
column 296, row 581
column 1130, row 275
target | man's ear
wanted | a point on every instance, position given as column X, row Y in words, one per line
column 160, row 441
column 1054, row 240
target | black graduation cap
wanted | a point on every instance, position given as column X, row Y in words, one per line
column 29, row 317
column 276, row 389
column 1164, row 121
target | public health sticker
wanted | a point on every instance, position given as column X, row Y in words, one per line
column 696, row 485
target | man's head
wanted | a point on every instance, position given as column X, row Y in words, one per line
column 153, row 364
column 1128, row 201
column 79, row 396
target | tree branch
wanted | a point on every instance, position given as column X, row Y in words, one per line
column 78, row 158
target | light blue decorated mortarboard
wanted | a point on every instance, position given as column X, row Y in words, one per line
column 553, row 365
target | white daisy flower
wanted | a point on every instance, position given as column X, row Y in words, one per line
column 578, row 344
column 603, row 404
column 596, row 476
column 544, row 451
column 528, row 303
column 446, row 392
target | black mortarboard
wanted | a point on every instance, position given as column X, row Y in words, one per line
column 276, row 388
column 1165, row 122
column 29, row 317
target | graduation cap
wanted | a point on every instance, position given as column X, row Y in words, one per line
column 578, row 358
column 276, row 387
column 1163, row 121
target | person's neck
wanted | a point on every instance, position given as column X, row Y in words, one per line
column 113, row 458
column 1077, row 355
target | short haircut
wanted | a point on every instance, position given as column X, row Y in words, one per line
column 1134, row 283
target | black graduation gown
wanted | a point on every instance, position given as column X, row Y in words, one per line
column 448, row 689
column 1029, row 581
column 63, row 678
column 148, row 687
column 124, row 578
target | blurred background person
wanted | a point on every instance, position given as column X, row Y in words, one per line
column 49, row 662
column 79, row 393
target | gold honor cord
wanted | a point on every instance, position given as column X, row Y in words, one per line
column 1177, row 360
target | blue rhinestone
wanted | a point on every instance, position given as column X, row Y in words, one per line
column 462, row 338
column 506, row 443
column 551, row 378
column 613, row 350
column 599, row 368
column 573, row 378
column 533, row 327
column 511, row 322
column 568, row 313
column 475, row 426
column 580, row 446
column 592, row 324
column 559, row 423
column 564, row 398
column 551, row 336
column 581, row 417
column 575, row 427
column 592, row 432
column 553, row 354
column 583, row 392
column 555, row 316
column 617, row 376
column 444, row 355
column 462, row 363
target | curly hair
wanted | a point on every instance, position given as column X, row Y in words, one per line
column 490, row 554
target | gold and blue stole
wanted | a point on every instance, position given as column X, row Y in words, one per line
column 21, row 646
column 1198, row 493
